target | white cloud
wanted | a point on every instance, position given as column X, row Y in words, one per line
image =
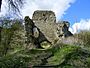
column 82, row 25
column 58, row 6
column 4, row 8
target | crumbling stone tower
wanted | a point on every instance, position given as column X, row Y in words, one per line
column 45, row 27
column 45, row 21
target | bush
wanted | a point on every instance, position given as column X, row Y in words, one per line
column 85, row 37
column 11, row 33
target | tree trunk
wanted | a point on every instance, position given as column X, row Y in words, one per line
column 0, row 4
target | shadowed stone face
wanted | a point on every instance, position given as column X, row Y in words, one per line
column 29, row 25
column 33, row 34
column 43, row 27
column 62, row 29
column 45, row 21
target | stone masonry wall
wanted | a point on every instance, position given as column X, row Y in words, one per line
column 43, row 27
column 45, row 21
column 62, row 29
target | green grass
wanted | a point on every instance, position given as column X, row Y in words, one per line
column 68, row 56
column 85, row 37
column 60, row 54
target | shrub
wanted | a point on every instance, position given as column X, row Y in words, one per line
column 85, row 37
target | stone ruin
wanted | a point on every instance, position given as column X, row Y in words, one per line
column 45, row 21
column 62, row 29
column 34, row 35
column 43, row 27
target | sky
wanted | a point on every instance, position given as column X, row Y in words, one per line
column 77, row 12
column 78, row 15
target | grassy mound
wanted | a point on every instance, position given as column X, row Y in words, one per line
column 71, row 57
column 68, row 56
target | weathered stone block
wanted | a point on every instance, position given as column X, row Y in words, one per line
column 45, row 21
column 62, row 29
column 29, row 25
column 33, row 34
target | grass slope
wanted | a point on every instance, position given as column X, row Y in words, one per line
column 68, row 56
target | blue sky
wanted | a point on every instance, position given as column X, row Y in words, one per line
column 80, row 9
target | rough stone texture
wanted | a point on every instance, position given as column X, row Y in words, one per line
column 33, row 34
column 62, row 29
column 29, row 25
column 45, row 21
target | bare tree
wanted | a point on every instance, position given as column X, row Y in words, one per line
column 0, row 3
column 15, row 5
